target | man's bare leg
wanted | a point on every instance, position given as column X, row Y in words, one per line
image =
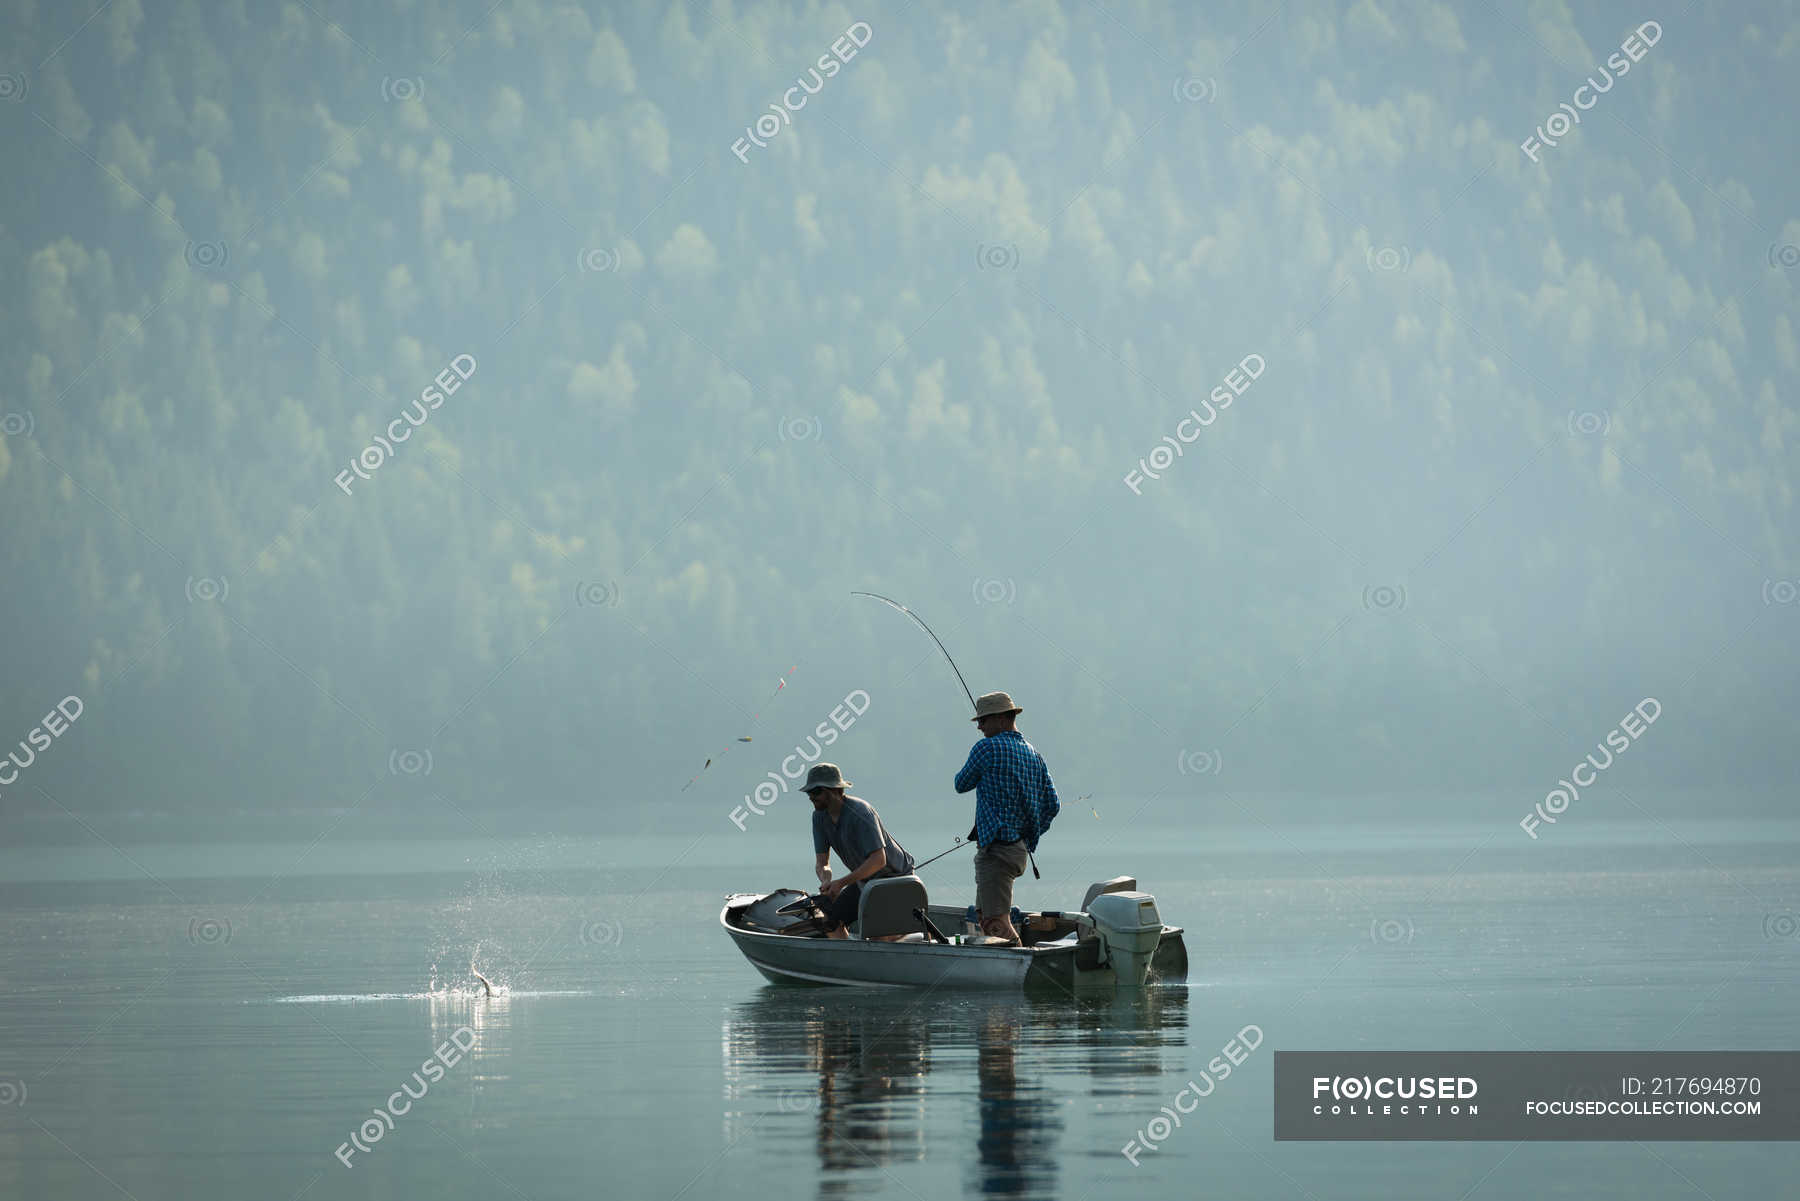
column 1000, row 927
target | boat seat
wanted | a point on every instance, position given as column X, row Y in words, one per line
column 1116, row 884
column 887, row 906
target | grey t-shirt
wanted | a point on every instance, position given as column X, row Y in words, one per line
column 855, row 835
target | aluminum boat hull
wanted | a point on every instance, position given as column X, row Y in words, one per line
column 1066, row 966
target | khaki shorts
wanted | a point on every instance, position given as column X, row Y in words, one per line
column 996, row 867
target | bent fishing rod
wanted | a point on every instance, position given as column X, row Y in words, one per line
column 896, row 604
column 1035, row 874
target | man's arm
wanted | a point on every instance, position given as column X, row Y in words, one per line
column 867, row 868
column 970, row 775
column 870, row 866
column 821, row 850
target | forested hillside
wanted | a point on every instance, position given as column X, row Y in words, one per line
column 1510, row 442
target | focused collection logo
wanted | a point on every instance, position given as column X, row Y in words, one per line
column 1394, row 1096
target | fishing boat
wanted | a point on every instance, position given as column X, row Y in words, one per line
column 1116, row 940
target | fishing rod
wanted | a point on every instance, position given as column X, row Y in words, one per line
column 896, row 604
column 960, row 844
column 886, row 600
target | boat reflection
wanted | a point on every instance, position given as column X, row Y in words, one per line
column 845, row 1070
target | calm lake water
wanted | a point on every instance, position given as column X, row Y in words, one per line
column 216, row 1021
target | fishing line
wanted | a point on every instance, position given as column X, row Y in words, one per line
column 782, row 683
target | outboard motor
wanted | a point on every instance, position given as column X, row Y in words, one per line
column 1128, row 928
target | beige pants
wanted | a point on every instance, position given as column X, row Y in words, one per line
column 996, row 867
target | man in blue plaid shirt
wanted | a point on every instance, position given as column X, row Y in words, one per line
column 1015, row 802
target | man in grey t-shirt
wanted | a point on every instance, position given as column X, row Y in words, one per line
column 851, row 827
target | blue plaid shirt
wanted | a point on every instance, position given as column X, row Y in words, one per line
column 1014, row 797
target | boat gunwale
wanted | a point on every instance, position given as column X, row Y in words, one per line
column 744, row 899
